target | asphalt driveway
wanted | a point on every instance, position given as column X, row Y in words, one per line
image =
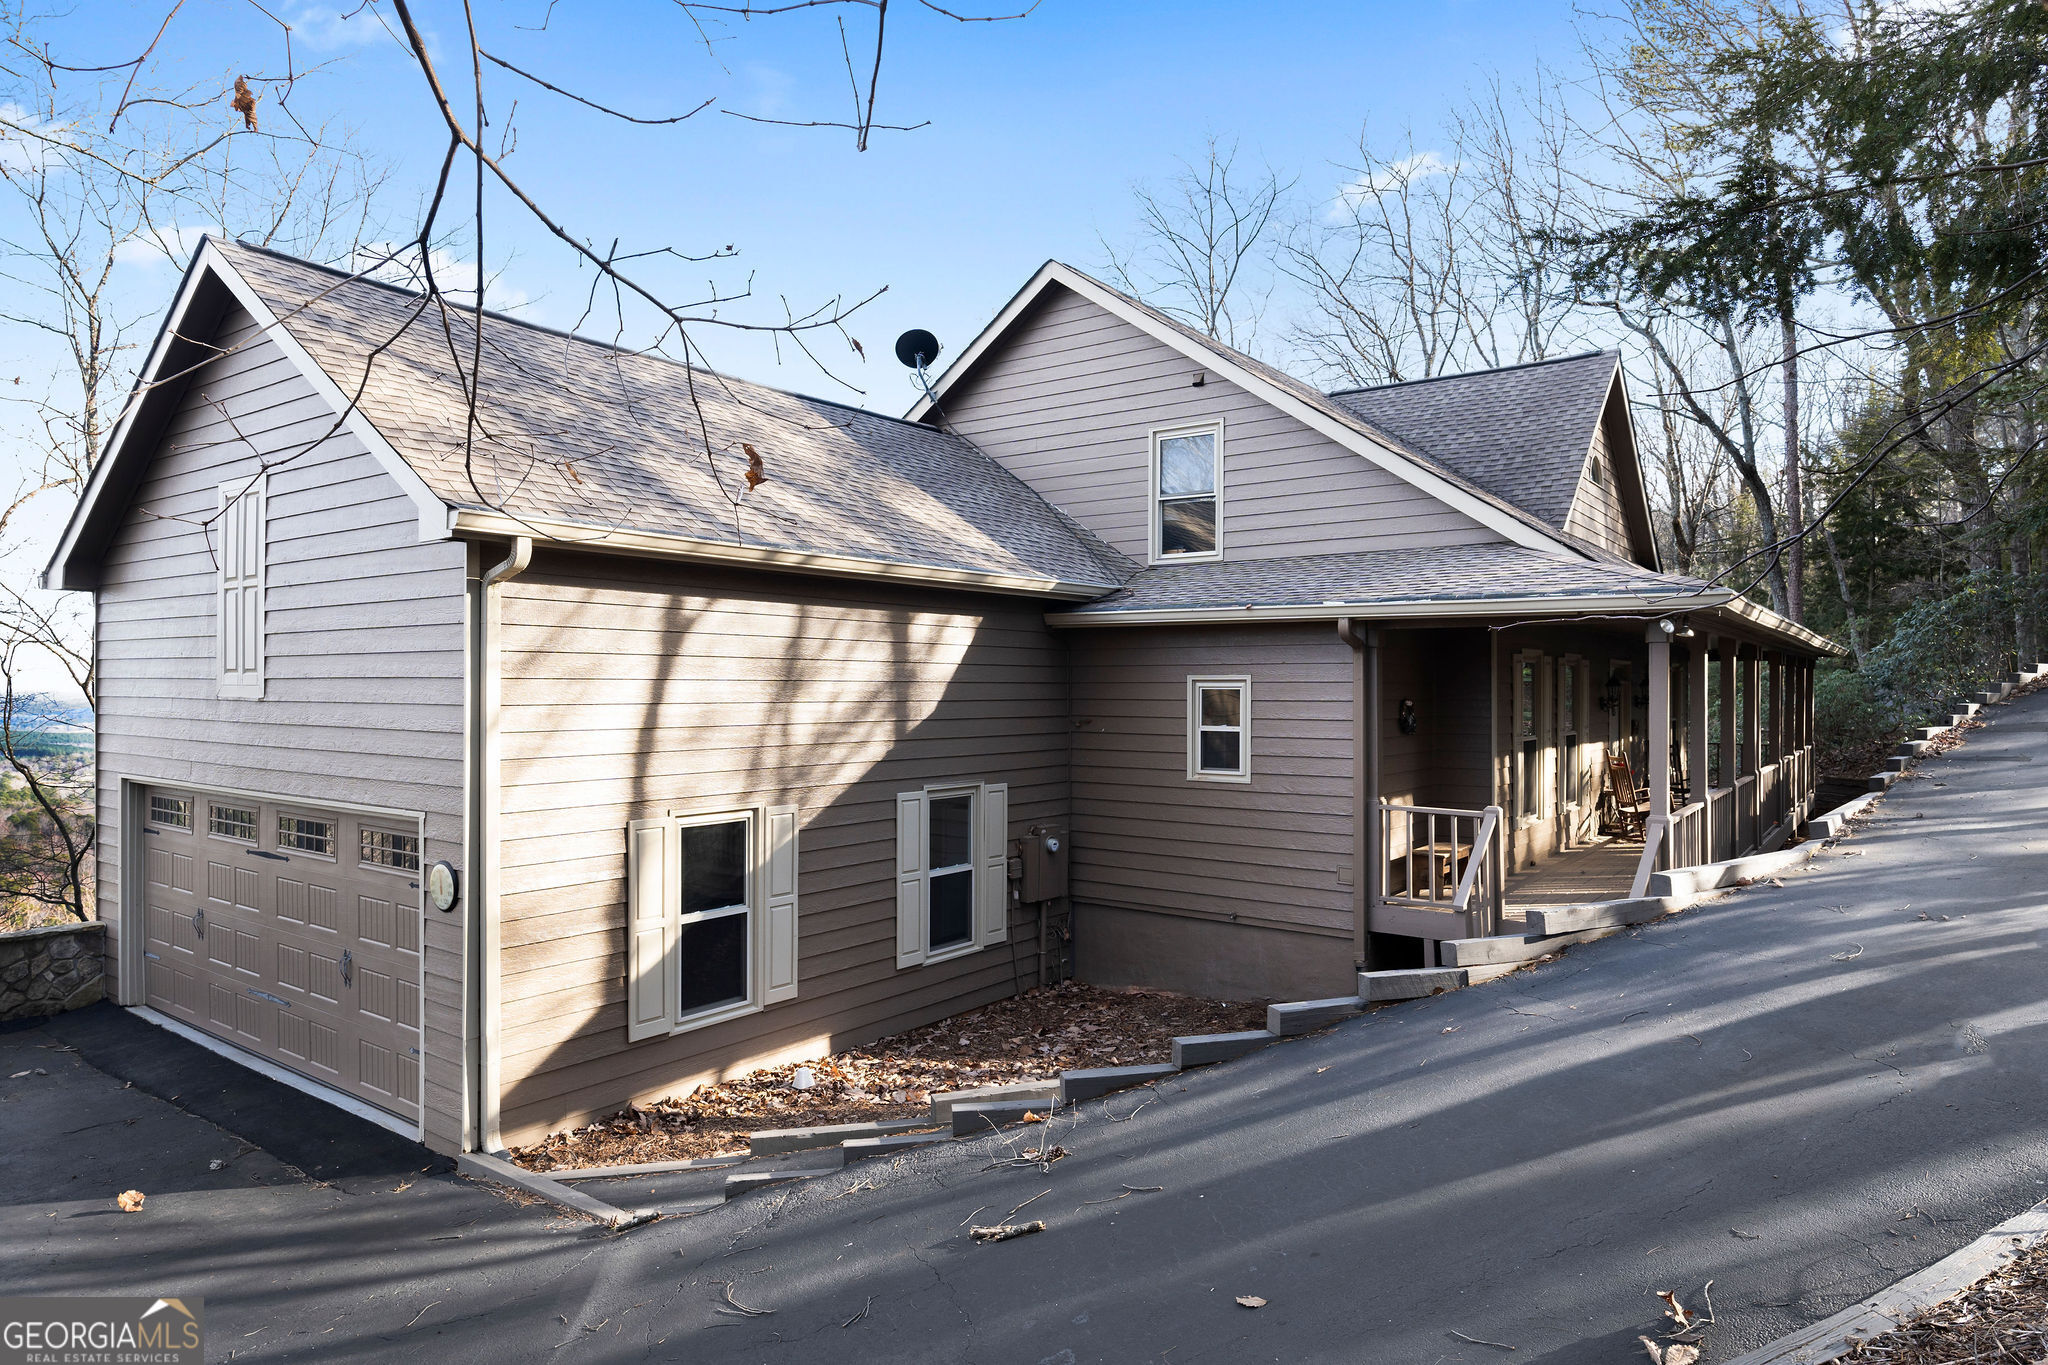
column 1799, row 1092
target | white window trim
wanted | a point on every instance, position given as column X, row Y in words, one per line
column 1544, row 778
column 989, row 821
column 1243, row 683
column 1152, row 499
column 254, row 494
column 771, row 898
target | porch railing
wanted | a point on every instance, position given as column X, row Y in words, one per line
column 1685, row 839
column 1442, row 863
column 1745, row 814
column 1770, row 799
column 1723, row 800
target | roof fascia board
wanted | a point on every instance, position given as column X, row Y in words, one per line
column 1767, row 620
column 433, row 510
column 55, row 573
column 210, row 264
column 1454, row 608
column 568, row 535
column 1052, row 272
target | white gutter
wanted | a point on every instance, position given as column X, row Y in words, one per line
column 1459, row 607
column 485, row 850
column 690, row 549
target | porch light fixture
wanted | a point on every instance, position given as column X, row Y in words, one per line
column 1406, row 718
column 1610, row 696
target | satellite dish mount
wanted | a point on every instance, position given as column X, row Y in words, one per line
column 916, row 349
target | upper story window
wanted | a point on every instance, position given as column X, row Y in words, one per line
column 1186, row 481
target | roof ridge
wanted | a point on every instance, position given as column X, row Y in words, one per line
column 351, row 277
column 1473, row 374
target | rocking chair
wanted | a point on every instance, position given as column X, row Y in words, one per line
column 1627, row 803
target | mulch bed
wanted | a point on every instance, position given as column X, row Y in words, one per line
column 1033, row 1036
column 2002, row 1317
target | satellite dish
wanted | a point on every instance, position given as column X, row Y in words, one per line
column 917, row 348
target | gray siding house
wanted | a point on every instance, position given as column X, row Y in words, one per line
column 484, row 774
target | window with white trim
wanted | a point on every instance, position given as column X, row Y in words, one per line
column 710, row 917
column 1187, row 468
column 1220, row 729
column 242, row 541
column 1529, row 740
column 952, row 870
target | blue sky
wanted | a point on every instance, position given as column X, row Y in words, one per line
column 1037, row 129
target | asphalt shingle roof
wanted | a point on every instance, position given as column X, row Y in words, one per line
column 1440, row 573
column 1521, row 433
column 576, row 430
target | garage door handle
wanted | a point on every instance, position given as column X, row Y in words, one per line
column 266, row 853
column 348, row 968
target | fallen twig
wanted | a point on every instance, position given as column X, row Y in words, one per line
column 1129, row 1190
column 970, row 1217
column 422, row 1313
column 1481, row 1341
column 744, row 1311
column 861, row 1314
column 1032, row 1200
column 1003, row 1232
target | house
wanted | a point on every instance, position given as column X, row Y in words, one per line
column 483, row 773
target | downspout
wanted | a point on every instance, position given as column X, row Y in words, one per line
column 1368, row 863
column 486, row 980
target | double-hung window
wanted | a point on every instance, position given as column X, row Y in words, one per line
column 952, row 882
column 241, row 535
column 1529, row 747
column 710, row 917
column 1187, row 467
column 1220, row 729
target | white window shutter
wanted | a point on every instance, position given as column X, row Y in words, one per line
column 239, row 601
column 911, row 888
column 992, row 885
column 652, row 910
column 781, row 906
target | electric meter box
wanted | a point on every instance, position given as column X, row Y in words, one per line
column 1044, row 855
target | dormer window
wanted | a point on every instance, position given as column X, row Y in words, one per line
column 1186, row 464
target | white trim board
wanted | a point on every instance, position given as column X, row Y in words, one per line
column 263, row 1067
column 210, row 263
column 1401, row 466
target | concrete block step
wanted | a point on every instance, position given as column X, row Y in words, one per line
column 1412, row 983
column 971, row 1120
column 1881, row 781
column 1093, row 1081
column 1932, row 732
column 1913, row 748
column 859, row 1149
column 1565, row 919
column 1306, row 1016
column 1201, row 1049
column 1042, row 1092
column 1898, row 763
column 745, row 1181
column 777, row 1141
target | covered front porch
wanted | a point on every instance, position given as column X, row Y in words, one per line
column 1611, row 754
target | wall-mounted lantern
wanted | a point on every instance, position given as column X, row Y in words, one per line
column 1406, row 718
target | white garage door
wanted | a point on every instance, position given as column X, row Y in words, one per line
column 289, row 930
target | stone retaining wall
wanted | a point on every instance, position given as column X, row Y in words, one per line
column 51, row 969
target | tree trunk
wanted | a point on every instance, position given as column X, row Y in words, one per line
column 1842, row 585
column 1795, row 553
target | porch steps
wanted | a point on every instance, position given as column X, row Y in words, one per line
column 1914, row 748
column 1548, row 921
column 1306, row 1016
column 1412, row 983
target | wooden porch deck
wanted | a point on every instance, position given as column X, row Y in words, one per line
column 1601, row 871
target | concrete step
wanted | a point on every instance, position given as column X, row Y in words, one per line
column 1932, row 732
column 1201, row 1049
column 1880, row 781
column 1101, row 1080
column 1306, row 1016
column 1412, row 983
column 1913, row 748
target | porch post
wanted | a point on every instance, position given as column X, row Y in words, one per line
column 1696, row 740
column 1658, row 736
column 1724, row 651
column 1753, row 736
column 1365, row 783
column 1780, row 690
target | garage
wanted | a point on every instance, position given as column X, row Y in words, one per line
column 289, row 930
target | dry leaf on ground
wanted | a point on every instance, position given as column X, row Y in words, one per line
column 1251, row 1300
column 131, row 1201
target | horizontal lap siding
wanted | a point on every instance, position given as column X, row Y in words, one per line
column 1596, row 513
column 1445, row 762
column 1267, row 852
column 631, row 690
column 363, row 633
column 1067, row 402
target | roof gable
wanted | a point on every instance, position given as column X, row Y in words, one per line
column 1301, row 401
column 588, row 444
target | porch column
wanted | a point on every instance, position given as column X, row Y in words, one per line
column 1657, row 734
column 1753, row 736
column 1780, row 691
column 1365, row 783
column 1724, row 653
column 1696, row 740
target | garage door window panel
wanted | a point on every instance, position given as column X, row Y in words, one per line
column 302, row 834
column 231, row 822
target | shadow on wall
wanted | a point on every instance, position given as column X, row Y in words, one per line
column 631, row 694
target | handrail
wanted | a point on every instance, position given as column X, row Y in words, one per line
column 1482, row 842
